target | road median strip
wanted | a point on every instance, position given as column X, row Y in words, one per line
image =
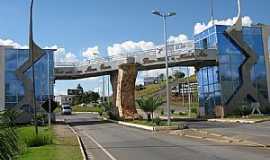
column 202, row 134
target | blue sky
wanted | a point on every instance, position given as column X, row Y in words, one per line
column 76, row 25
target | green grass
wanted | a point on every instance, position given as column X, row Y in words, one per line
column 58, row 150
column 79, row 108
column 149, row 90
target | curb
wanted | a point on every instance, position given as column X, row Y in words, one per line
column 144, row 127
column 85, row 112
column 225, row 139
column 132, row 125
column 82, row 147
column 237, row 121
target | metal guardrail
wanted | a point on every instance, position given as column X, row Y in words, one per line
column 158, row 52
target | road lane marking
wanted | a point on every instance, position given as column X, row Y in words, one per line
column 100, row 146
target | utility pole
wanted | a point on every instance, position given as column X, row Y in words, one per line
column 189, row 99
column 103, row 89
column 49, row 93
column 164, row 18
column 108, row 89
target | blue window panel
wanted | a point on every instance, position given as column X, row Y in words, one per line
column 255, row 42
column 10, row 99
column 252, row 31
column 11, row 59
column 205, row 89
column 22, row 56
column 211, row 41
column 10, row 75
column 204, row 76
column 11, row 87
column 216, row 74
column 236, row 59
column 235, row 72
column 225, row 72
column 210, row 75
column 211, row 88
column 226, row 46
column 220, row 29
column 217, row 87
column 212, row 29
column 218, row 98
column 224, row 59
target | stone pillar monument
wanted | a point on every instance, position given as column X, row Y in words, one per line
column 125, row 97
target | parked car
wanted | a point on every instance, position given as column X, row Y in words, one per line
column 66, row 109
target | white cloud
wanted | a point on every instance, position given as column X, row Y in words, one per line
column 60, row 55
column 91, row 52
column 128, row 47
column 178, row 39
column 199, row 27
column 9, row 42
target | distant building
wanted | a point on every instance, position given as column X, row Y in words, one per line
column 75, row 92
column 64, row 99
column 151, row 80
column 185, row 88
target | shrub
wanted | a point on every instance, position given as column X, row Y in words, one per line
column 157, row 121
column 242, row 110
column 182, row 113
column 172, row 111
column 162, row 112
column 8, row 137
column 194, row 110
column 38, row 140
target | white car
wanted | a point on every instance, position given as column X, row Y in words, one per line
column 66, row 109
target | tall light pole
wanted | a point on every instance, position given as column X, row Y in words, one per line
column 164, row 16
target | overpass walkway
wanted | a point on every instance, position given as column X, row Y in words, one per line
column 123, row 70
column 180, row 54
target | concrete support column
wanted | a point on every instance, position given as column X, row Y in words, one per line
column 125, row 97
column 114, row 79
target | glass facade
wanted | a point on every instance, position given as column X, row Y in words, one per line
column 44, row 68
column 217, row 84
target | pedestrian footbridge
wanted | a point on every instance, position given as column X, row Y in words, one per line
column 180, row 54
column 123, row 70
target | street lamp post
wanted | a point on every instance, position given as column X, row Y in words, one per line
column 164, row 16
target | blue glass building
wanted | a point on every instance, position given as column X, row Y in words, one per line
column 12, row 88
column 218, row 84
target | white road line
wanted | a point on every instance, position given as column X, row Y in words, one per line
column 100, row 146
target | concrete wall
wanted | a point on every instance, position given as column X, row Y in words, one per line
column 2, row 78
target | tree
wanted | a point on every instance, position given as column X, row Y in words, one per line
column 179, row 75
column 161, row 76
column 79, row 87
column 86, row 97
column 149, row 105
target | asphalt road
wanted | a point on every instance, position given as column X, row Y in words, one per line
column 109, row 141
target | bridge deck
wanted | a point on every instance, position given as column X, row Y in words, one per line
column 146, row 60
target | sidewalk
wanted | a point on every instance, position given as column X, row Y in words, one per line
column 257, row 134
